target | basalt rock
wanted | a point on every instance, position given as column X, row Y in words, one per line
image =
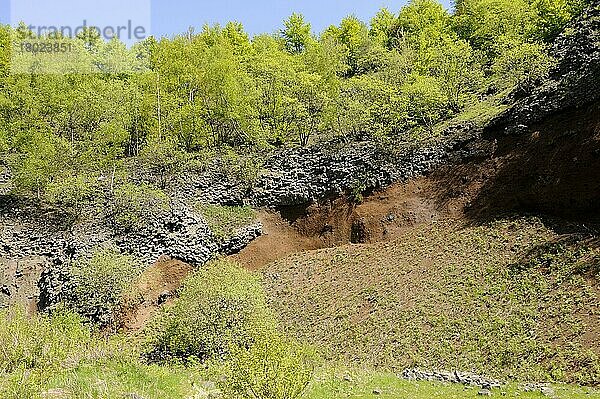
column 454, row 377
column 573, row 83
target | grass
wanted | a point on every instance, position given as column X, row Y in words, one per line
column 510, row 299
column 224, row 221
column 60, row 357
column 339, row 383
column 102, row 379
column 478, row 113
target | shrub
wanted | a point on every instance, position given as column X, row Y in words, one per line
column 133, row 202
column 221, row 306
column 521, row 65
column 71, row 191
column 99, row 284
column 273, row 368
column 357, row 190
column 242, row 169
column 39, row 342
column 225, row 220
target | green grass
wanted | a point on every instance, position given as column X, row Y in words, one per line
column 60, row 357
column 478, row 113
column 113, row 379
column 61, row 354
column 224, row 221
column 362, row 384
column 510, row 299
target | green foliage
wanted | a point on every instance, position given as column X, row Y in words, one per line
column 163, row 102
column 422, row 23
column 40, row 163
column 426, row 101
column 273, row 368
column 554, row 15
column 71, row 191
column 357, row 191
column 57, row 355
column 163, row 159
column 382, row 27
column 39, row 343
column 224, row 221
column 484, row 22
column 370, row 105
column 521, row 65
column 243, row 169
column 45, row 356
column 296, row 33
column 132, row 203
column 98, row 285
column 222, row 306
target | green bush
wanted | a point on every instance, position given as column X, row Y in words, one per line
column 133, row 202
column 39, row 342
column 225, row 220
column 220, row 307
column 243, row 169
column 72, row 191
column 99, row 284
column 521, row 65
column 273, row 368
column 357, row 191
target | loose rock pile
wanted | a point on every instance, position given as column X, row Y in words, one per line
column 451, row 377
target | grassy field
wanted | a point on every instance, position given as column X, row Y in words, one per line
column 358, row 384
column 118, row 380
column 60, row 357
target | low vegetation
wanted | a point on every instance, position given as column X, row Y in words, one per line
column 511, row 299
column 224, row 221
column 220, row 307
column 98, row 285
column 62, row 355
column 362, row 384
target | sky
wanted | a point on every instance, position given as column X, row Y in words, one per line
column 262, row 16
column 170, row 17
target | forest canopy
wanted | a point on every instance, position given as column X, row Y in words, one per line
column 164, row 102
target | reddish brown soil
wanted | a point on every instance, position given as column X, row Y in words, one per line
column 162, row 279
column 381, row 217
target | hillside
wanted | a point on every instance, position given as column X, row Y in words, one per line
column 405, row 208
column 489, row 263
column 512, row 298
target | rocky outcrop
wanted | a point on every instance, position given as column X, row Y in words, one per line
column 574, row 83
column 33, row 235
column 295, row 176
column 306, row 175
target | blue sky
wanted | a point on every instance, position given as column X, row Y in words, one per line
column 169, row 17
column 261, row 16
